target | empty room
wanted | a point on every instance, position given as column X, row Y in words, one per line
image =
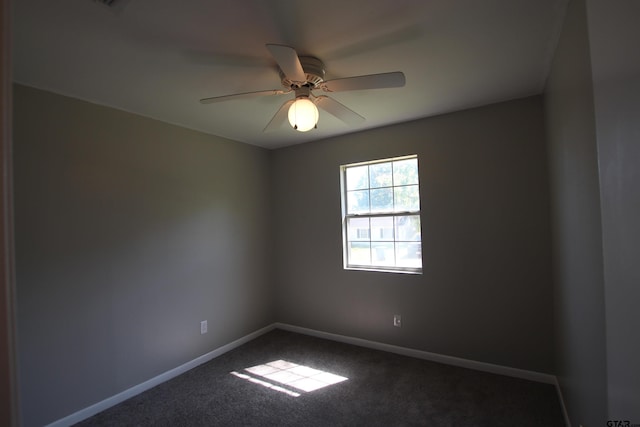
column 391, row 212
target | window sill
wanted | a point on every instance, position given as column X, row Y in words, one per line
column 384, row 270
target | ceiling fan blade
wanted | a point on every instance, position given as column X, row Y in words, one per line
column 288, row 61
column 372, row 81
column 242, row 95
column 279, row 118
column 338, row 110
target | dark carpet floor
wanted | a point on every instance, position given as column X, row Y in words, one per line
column 381, row 389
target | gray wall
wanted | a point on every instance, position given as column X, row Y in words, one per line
column 486, row 290
column 8, row 390
column 129, row 232
column 575, row 211
column 614, row 34
column 592, row 105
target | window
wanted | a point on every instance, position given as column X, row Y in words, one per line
column 381, row 215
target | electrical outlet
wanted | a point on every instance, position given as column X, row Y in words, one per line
column 203, row 327
column 397, row 320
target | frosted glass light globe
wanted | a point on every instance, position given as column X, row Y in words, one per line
column 303, row 115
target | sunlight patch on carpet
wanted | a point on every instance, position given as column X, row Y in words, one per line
column 292, row 375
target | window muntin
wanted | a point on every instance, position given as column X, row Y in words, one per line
column 381, row 215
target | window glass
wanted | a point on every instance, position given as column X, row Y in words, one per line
column 357, row 178
column 381, row 219
column 405, row 172
column 358, row 201
column 406, row 198
column 381, row 175
column 381, row 199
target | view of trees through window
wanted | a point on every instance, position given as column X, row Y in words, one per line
column 382, row 215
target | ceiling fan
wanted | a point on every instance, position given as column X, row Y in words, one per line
column 304, row 74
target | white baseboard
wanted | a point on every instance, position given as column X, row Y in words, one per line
column 440, row 358
column 567, row 421
column 419, row 354
column 85, row 413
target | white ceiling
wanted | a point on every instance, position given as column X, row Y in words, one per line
column 157, row 58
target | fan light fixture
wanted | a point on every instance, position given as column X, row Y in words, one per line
column 303, row 114
column 302, row 75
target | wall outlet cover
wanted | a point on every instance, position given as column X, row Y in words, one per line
column 397, row 320
column 203, row 327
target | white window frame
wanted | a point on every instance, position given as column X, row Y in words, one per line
column 348, row 265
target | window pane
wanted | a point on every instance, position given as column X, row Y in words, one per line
column 406, row 198
column 358, row 177
column 380, row 175
column 382, row 228
column 358, row 229
column 408, row 254
column 405, row 172
column 360, row 253
column 381, row 200
column 408, row 228
column 382, row 215
column 382, row 253
column 358, row 201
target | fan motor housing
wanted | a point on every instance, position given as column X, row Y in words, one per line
column 314, row 73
